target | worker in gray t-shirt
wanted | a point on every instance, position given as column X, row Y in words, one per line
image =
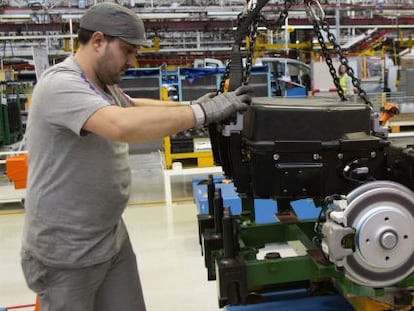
column 76, row 253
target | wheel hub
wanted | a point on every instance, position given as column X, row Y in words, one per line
column 381, row 215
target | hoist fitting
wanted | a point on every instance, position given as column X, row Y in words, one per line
column 312, row 14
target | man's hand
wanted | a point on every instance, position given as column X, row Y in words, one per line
column 205, row 98
column 226, row 105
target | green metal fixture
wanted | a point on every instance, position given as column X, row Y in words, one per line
column 11, row 127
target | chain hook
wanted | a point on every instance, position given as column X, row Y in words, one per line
column 311, row 12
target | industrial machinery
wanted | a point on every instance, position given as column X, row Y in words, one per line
column 335, row 153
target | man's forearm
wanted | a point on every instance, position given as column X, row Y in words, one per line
column 140, row 102
column 139, row 124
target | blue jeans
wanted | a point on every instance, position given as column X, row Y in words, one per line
column 109, row 286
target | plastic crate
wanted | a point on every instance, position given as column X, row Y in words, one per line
column 16, row 167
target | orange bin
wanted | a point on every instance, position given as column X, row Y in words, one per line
column 16, row 168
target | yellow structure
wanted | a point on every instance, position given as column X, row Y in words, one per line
column 67, row 47
column 368, row 304
column 261, row 46
column 7, row 75
column 204, row 159
column 155, row 45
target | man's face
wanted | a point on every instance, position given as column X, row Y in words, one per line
column 117, row 56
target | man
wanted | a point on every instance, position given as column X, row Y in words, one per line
column 76, row 253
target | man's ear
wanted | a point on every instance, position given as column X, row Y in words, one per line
column 97, row 39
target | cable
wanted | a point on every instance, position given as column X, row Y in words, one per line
column 354, row 167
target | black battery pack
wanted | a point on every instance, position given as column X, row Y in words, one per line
column 400, row 161
column 302, row 149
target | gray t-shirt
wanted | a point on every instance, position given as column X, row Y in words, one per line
column 79, row 182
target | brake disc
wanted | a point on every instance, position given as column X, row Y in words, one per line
column 382, row 214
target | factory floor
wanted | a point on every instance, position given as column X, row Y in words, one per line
column 165, row 239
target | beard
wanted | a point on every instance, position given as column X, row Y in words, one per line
column 105, row 72
column 106, row 76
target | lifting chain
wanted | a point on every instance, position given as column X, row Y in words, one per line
column 317, row 18
column 249, row 57
column 284, row 14
column 328, row 60
column 224, row 77
column 252, row 39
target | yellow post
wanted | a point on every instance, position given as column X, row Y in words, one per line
column 167, row 151
column 163, row 93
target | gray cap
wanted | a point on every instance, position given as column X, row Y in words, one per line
column 116, row 21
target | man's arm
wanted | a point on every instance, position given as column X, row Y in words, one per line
column 139, row 124
column 144, row 123
column 140, row 102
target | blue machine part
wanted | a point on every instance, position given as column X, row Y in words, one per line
column 265, row 208
column 296, row 91
column 298, row 300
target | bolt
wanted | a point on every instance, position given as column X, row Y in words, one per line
column 373, row 154
column 340, row 156
column 388, row 239
column 316, row 156
column 276, row 157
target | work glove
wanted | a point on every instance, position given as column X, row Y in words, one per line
column 202, row 99
column 205, row 98
column 223, row 106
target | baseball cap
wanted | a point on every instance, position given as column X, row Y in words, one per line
column 116, row 21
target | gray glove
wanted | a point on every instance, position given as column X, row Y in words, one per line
column 206, row 97
column 225, row 105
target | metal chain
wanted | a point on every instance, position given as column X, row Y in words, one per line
column 284, row 14
column 226, row 74
column 344, row 61
column 224, row 77
column 249, row 57
column 318, row 24
column 252, row 38
column 253, row 34
column 328, row 60
column 317, row 17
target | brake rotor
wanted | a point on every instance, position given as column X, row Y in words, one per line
column 382, row 213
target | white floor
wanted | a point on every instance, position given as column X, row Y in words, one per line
column 165, row 240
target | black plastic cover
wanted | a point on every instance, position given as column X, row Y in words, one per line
column 303, row 149
column 270, row 120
